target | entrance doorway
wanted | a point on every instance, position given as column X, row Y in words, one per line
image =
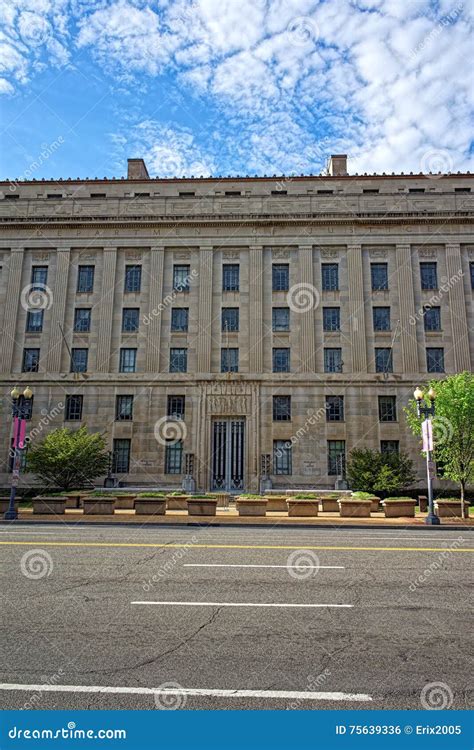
column 227, row 454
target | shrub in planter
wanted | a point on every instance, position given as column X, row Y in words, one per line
column 49, row 505
column 303, row 505
column 150, row 503
column 368, row 496
column 202, row 505
column 451, row 507
column 251, row 505
column 399, row 507
column 354, row 508
column 276, row 503
column 177, row 501
column 96, row 505
column 124, row 500
column 330, row 503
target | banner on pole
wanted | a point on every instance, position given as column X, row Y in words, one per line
column 427, row 433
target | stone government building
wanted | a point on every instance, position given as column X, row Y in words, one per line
column 230, row 328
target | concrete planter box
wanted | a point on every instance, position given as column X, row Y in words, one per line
column 177, row 502
column 4, row 504
column 250, row 507
column 73, row 499
column 99, row 506
column 355, row 508
column 202, row 506
column 303, row 507
column 124, row 502
column 399, row 508
column 277, row 503
column 49, row 505
column 150, row 506
column 451, row 509
column 330, row 504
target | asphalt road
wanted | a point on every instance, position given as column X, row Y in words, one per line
column 109, row 617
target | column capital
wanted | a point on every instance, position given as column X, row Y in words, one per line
column 255, row 247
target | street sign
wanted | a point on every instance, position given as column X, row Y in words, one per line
column 427, row 433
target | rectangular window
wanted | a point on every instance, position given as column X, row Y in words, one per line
column 133, row 278
column 39, row 277
column 179, row 319
column 121, row 456
column 181, row 278
column 381, row 318
column 281, row 319
column 82, row 319
column 281, row 408
column 230, row 319
column 173, row 456
column 432, row 318
column 34, row 321
column 379, row 276
column 387, row 409
column 330, row 277
column 30, row 360
column 435, row 359
column 336, row 457
column 230, row 277
column 429, row 275
column 73, row 409
column 124, row 408
column 389, row 446
column 178, row 360
column 229, row 360
column 282, row 457
column 383, row 359
column 280, row 277
column 79, row 359
column 333, row 360
column 176, row 407
column 331, row 319
column 128, row 360
column 281, row 360
column 130, row 319
column 85, row 279
column 334, row 408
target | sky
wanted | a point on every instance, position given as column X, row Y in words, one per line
column 227, row 87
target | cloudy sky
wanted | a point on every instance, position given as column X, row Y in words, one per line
column 201, row 87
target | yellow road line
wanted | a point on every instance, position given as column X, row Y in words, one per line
column 41, row 543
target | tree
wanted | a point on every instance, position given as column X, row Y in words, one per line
column 373, row 471
column 69, row 459
column 453, row 427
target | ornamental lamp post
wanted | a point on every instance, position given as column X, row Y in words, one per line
column 427, row 412
column 20, row 408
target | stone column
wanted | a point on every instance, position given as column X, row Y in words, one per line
column 157, row 256
column 11, row 309
column 106, row 309
column 457, row 306
column 302, row 303
column 407, row 310
column 58, row 311
column 204, row 338
column 357, row 308
column 256, row 308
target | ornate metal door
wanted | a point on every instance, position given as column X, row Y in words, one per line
column 227, row 454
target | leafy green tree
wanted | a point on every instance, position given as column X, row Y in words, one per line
column 453, row 427
column 69, row 459
column 373, row 471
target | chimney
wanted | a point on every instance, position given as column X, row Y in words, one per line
column 337, row 165
column 137, row 170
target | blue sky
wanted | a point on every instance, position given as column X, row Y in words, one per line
column 234, row 86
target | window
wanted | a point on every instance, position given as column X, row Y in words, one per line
column 186, row 194
column 381, row 318
column 333, row 360
column 232, row 192
column 128, row 360
column 416, row 190
column 229, row 360
column 230, row 277
column 39, row 277
column 281, row 318
column 462, row 190
column 280, row 277
column 34, row 321
column 54, row 196
column 389, row 446
column 176, row 407
column 178, row 360
column 331, row 318
column 98, row 195
column 179, row 319
column 432, row 318
column 334, row 408
column 336, row 457
column 387, row 409
column 281, row 408
column 133, row 278
column 330, row 276
column 383, row 359
column 173, row 456
column 435, row 359
column 230, row 319
column 379, row 276
column 282, row 457
column 79, row 360
column 324, row 192
column 124, row 408
column 429, row 275
column 82, row 319
column 141, row 195
column 30, row 360
column 370, row 191
column 85, row 278
column 281, row 360
column 11, row 197
column 73, row 410
column 279, row 192
column 181, row 278
column 130, row 319
column 121, row 456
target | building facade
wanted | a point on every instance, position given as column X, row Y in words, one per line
column 234, row 328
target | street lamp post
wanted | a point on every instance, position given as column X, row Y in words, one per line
column 20, row 405
column 427, row 412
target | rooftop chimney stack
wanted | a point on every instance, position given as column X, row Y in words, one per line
column 337, row 166
column 137, row 170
